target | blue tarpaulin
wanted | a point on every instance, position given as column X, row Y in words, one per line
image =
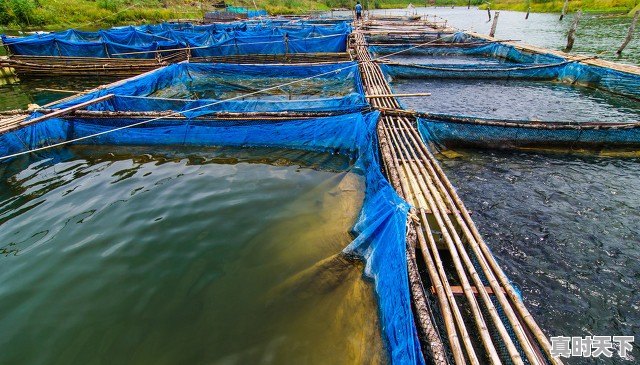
column 239, row 38
column 380, row 228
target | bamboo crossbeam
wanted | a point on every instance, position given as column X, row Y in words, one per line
column 418, row 178
column 68, row 110
column 515, row 356
column 59, row 90
column 397, row 95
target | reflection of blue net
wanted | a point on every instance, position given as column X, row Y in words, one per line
column 381, row 225
column 337, row 88
column 240, row 38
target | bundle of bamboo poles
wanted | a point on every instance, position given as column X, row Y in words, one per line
column 126, row 67
column 487, row 293
column 85, row 66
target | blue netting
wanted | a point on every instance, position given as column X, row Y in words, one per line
column 478, row 48
column 250, row 13
column 271, row 37
column 380, row 227
column 185, row 86
column 451, row 134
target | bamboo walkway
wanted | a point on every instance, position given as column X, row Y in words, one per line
column 467, row 310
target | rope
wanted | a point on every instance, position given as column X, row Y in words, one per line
column 355, row 64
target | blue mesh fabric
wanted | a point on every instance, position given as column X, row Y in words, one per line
column 269, row 37
column 337, row 89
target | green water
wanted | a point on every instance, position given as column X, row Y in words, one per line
column 209, row 256
column 18, row 94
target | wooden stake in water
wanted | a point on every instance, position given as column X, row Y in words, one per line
column 564, row 9
column 571, row 37
column 489, row 13
column 632, row 28
column 528, row 11
column 494, row 25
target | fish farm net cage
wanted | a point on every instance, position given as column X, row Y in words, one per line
column 317, row 107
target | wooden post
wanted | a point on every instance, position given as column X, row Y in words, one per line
column 564, row 9
column 489, row 12
column 528, row 11
column 632, row 27
column 494, row 25
column 571, row 37
column 469, row 5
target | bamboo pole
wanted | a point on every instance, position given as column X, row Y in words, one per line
column 632, row 27
column 397, row 95
column 520, row 334
column 571, row 37
column 494, row 24
column 504, row 281
column 68, row 110
column 564, row 9
column 478, row 317
column 431, row 188
column 438, row 355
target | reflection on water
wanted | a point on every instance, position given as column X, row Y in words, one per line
column 597, row 34
column 208, row 256
column 508, row 99
column 566, row 230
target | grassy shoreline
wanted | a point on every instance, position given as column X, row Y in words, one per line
column 26, row 15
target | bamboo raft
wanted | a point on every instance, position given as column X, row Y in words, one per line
column 474, row 329
column 126, row 67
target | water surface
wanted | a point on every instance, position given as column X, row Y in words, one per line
column 509, row 99
column 182, row 256
column 597, row 34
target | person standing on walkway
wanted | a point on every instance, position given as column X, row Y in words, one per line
column 358, row 11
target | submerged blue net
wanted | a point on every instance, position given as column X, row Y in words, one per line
column 239, row 38
column 196, row 89
column 381, row 225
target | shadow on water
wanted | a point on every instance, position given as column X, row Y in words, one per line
column 165, row 256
